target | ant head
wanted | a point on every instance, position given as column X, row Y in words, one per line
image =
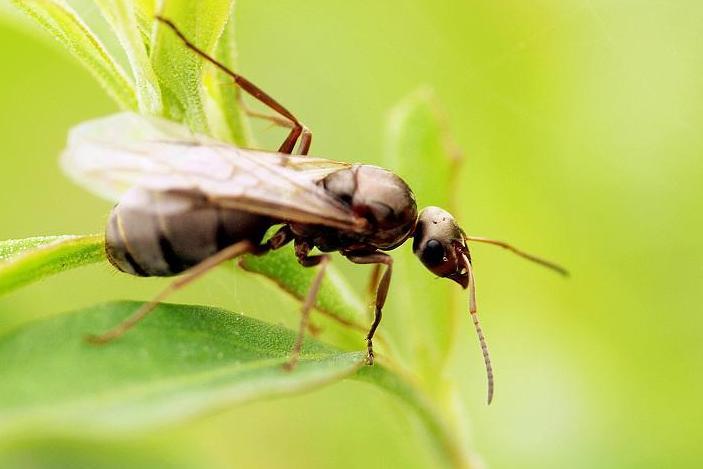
column 439, row 244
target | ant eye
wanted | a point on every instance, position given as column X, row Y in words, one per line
column 433, row 253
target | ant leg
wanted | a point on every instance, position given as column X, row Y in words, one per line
column 305, row 135
column 190, row 275
column 298, row 129
column 531, row 257
column 280, row 238
column 298, row 132
column 381, row 293
column 302, row 250
column 274, row 120
column 305, row 141
column 373, row 283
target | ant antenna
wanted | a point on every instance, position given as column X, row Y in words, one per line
column 530, row 257
column 477, row 326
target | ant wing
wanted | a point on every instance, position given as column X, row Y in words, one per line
column 109, row 156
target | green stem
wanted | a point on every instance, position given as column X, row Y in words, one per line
column 439, row 426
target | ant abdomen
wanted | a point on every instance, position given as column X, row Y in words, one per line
column 156, row 233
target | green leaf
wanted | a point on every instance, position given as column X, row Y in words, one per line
column 225, row 94
column 145, row 10
column 180, row 362
column 336, row 298
column 420, row 150
column 123, row 19
column 26, row 260
column 62, row 22
column 180, row 71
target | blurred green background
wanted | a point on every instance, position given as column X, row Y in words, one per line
column 581, row 123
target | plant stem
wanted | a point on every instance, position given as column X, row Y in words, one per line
column 448, row 440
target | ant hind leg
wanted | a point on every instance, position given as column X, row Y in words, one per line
column 190, row 275
column 298, row 130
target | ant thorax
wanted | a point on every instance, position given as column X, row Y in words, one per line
column 375, row 194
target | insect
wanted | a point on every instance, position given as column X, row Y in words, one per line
column 188, row 203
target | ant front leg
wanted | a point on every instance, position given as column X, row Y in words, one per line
column 301, row 251
column 373, row 284
column 381, row 293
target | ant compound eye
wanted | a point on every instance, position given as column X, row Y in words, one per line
column 433, row 253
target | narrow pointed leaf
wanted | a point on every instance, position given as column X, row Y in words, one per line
column 123, row 19
column 144, row 11
column 225, row 94
column 27, row 260
column 180, row 71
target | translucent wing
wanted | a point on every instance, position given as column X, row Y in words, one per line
column 108, row 156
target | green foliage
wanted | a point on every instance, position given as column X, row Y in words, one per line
column 26, row 260
column 123, row 20
column 581, row 126
column 180, row 70
column 186, row 361
column 182, row 361
column 335, row 299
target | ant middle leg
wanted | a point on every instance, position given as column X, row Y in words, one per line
column 301, row 250
column 373, row 284
column 298, row 130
